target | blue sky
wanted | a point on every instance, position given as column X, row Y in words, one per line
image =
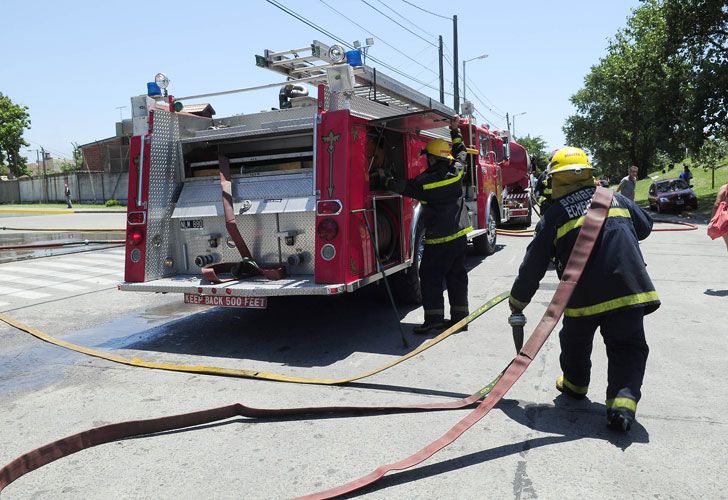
column 73, row 63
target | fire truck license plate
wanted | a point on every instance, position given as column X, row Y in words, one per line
column 191, row 224
column 227, row 301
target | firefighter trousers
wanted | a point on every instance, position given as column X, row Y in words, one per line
column 444, row 262
column 627, row 350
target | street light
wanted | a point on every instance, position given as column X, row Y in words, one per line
column 514, row 122
column 481, row 56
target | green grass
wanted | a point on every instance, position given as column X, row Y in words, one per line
column 701, row 185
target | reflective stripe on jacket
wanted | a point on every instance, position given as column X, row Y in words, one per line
column 615, row 276
column 440, row 189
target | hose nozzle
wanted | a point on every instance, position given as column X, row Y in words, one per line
column 517, row 322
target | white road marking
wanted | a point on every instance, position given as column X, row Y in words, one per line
column 100, row 268
column 41, row 283
column 58, row 274
column 25, row 294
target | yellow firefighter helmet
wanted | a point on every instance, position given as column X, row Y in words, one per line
column 439, row 148
column 569, row 159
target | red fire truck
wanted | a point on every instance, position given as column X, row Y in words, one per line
column 303, row 189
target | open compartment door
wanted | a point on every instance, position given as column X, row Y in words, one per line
column 415, row 121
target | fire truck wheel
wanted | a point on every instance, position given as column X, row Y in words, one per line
column 406, row 284
column 485, row 244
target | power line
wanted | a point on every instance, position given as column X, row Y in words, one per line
column 484, row 96
column 480, row 100
column 407, row 20
column 425, row 10
column 399, row 24
column 378, row 37
column 340, row 40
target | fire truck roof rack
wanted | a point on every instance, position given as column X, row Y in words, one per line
column 311, row 63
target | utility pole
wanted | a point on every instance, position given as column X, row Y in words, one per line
column 508, row 122
column 456, row 92
column 514, row 122
column 45, row 176
column 442, row 75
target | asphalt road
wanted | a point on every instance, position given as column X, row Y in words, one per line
column 535, row 444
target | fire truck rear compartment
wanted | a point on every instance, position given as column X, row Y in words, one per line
column 273, row 202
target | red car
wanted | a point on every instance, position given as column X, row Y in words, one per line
column 671, row 194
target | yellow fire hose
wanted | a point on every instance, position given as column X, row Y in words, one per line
column 254, row 374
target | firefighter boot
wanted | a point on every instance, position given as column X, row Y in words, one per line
column 571, row 390
column 458, row 313
column 621, row 411
column 431, row 325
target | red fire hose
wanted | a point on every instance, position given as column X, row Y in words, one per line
column 495, row 390
column 63, row 244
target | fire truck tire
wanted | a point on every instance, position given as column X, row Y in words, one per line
column 485, row 244
column 406, row 283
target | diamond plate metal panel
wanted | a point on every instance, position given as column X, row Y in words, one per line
column 261, row 235
column 164, row 181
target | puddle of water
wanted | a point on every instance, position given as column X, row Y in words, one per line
column 12, row 239
column 38, row 366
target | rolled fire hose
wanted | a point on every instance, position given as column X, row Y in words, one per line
column 495, row 391
column 247, row 266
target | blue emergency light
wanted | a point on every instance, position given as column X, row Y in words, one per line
column 353, row 57
column 153, row 89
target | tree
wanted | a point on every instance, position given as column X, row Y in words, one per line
column 536, row 148
column 662, row 85
column 698, row 33
column 713, row 154
column 632, row 101
column 14, row 119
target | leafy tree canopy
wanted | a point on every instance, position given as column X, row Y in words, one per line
column 654, row 92
column 536, row 148
column 14, row 119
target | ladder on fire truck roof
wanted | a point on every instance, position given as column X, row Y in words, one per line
column 310, row 63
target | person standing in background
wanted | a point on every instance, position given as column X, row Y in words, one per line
column 627, row 184
column 686, row 174
column 67, row 193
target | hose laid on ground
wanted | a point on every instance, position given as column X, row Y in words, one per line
column 688, row 225
column 254, row 374
column 496, row 389
column 517, row 233
column 527, row 233
column 65, row 244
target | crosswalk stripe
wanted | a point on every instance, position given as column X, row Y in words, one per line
column 4, row 277
column 93, row 268
column 108, row 261
column 25, row 294
column 93, row 255
column 59, row 274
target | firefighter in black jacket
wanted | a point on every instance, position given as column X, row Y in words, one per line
column 446, row 222
column 614, row 293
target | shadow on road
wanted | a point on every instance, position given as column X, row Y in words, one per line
column 296, row 331
column 569, row 420
column 716, row 293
